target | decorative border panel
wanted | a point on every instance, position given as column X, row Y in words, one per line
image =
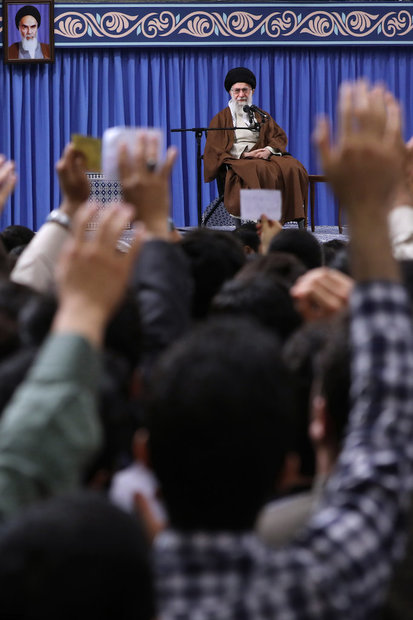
column 134, row 25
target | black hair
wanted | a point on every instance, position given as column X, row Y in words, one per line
column 299, row 355
column 299, row 242
column 330, row 249
column 72, row 557
column 13, row 299
column 215, row 256
column 15, row 235
column 248, row 236
column 218, row 420
column 341, row 261
column 262, row 298
column 278, row 265
column 333, row 376
column 13, row 371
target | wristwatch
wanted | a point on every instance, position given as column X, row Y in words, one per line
column 60, row 218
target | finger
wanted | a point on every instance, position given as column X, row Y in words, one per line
column 321, row 137
column 6, row 170
column 393, row 129
column 124, row 166
column 61, row 164
column 150, row 522
column 81, row 220
column 152, row 148
column 171, row 157
column 345, row 112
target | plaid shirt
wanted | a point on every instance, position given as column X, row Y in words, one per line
column 339, row 566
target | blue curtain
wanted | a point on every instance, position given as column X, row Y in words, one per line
column 86, row 91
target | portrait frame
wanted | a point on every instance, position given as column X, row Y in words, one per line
column 17, row 51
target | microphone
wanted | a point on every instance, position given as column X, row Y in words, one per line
column 254, row 108
column 248, row 109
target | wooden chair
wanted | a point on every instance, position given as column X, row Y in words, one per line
column 320, row 178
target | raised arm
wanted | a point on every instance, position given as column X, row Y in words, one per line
column 356, row 535
column 161, row 280
column 36, row 266
column 51, row 428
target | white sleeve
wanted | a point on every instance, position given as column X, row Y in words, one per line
column 36, row 265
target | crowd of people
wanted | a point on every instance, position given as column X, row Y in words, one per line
column 213, row 426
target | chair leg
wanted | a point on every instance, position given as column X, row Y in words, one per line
column 340, row 227
column 312, row 201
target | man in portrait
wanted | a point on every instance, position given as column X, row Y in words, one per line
column 253, row 155
column 28, row 48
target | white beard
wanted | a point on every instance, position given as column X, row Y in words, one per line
column 29, row 45
column 238, row 106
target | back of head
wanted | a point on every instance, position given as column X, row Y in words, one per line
column 13, row 299
column 301, row 243
column 13, row 371
column 215, row 256
column 262, row 298
column 15, row 235
column 75, row 557
column 333, row 379
column 277, row 265
column 299, row 355
column 330, row 250
column 218, row 419
column 248, row 236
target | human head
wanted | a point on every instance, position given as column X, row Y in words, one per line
column 218, row 418
column 248, row 236
column 240, row 74
column 331, row 389
column 262, row 298
column 240, row 83
column 28, row 21
column 75, row 553
column 330, row 250
column 215, row 256
column 277, row 265
column 299, row 242
column 16, row 235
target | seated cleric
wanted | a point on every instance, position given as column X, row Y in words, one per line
column 256, row 159
column 27, row 22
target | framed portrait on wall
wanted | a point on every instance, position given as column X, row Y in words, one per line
column 28, row 35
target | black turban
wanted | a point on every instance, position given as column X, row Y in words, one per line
column 28, row 10
column 240, row 74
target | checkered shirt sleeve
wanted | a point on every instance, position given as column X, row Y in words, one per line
column 339, row 566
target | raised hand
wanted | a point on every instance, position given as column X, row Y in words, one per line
column 91, row 274
column 146, row 184
column 321, row 293
column 364, row 166
column 366, row 161
column 73, row 181
column 267, row 229
column 8, row 179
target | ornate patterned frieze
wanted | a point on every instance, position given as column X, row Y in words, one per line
column 129, row 25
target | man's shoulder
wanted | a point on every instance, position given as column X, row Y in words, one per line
column 222, row 117
column 13, row 51
column 45, row 47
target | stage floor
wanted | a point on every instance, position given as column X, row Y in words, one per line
column 323, row 233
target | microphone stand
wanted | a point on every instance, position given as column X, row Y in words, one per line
column 199, row 131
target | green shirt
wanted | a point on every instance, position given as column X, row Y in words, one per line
column 51, row 428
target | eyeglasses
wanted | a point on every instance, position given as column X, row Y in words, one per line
column 238, row 91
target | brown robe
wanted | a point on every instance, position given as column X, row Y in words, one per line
column 285, row 173
column 13, row 51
